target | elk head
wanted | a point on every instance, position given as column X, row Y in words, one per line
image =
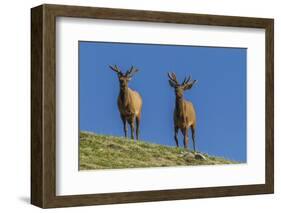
column 124, row 78
column 180, row 88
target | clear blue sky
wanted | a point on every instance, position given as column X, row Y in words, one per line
column 219, row 96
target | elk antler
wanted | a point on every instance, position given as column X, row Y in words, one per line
column 187, row 84
column 115, row 69
column 132, row 71
column 173, row 79
column 185, row 81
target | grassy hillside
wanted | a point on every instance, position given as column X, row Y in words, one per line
column 108, row 152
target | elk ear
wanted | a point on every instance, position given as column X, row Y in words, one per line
column 189, row 85
column 172, row 84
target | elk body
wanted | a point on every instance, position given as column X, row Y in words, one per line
column 129, row 101
column 184, row 113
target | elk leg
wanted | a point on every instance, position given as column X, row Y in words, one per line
column 176, row 136
column 138, row 126
column 193, row 137
column 185, row 139
column 132, row 125
column 124, row 125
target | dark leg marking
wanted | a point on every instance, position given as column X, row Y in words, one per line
column 185, row 139
column 176, row 136
column 124, row 125
column 193, row 137
column 132, row 125
column 138, row 126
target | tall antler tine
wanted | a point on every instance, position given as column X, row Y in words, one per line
column 112, row 67
column 184, row 81
column 132, row 71
column 129, row 71
column 189, row 77
column 132, row 68
column 117, row 69
column 174, row 76
column 169, row 75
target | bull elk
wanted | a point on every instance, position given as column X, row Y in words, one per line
column 184, row 113
column 129, row 101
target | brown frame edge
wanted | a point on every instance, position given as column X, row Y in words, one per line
column 43, row 105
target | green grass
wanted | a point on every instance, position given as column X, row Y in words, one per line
column 108, row 152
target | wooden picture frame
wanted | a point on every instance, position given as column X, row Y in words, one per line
column 43, row 105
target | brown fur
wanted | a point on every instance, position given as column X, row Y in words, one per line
column 129, row 102
column 184, row 113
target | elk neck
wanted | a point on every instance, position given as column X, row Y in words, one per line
column 124, row 94
column 179, row 104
